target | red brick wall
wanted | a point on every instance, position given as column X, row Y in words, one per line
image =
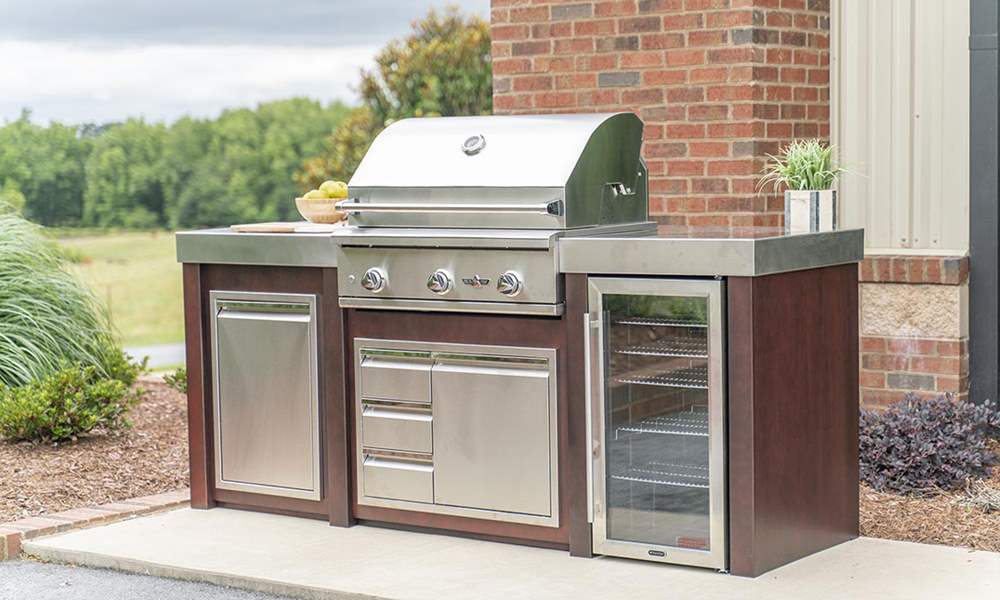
column 891, row 367
column 718, row 83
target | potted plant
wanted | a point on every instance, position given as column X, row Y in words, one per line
column 806, row 169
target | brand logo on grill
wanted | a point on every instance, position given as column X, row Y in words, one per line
column 476, row 281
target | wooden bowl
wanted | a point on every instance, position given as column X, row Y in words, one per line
column 319, row 210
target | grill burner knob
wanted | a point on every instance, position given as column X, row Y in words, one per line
column 439, row 282
column 509, row 284
column 374, row 280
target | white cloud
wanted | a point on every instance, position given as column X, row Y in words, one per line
column 73, row 83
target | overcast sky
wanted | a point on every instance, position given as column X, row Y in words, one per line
column 80, row 61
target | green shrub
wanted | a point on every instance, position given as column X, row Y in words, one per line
column 48, row 318
column 177, row 380
column 65, row 404
column 118, row 366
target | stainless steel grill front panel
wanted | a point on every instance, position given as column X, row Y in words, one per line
column 473, row 274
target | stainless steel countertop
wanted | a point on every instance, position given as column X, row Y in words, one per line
column 227, row 247
column 742, row 252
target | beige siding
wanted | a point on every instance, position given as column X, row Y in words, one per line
column 901, row 121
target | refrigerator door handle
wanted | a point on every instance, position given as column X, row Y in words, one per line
column 592, row 333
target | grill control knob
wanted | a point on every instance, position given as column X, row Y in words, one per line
column 439, row 282
column 509, row 283
column 374, row 280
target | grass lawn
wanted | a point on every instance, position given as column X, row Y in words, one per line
column 138, row 278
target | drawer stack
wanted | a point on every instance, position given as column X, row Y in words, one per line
column 466, row 430
column 396, row 425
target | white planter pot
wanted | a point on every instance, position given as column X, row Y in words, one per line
column 810, row 210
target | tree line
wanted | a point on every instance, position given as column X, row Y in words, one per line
column 195, row 172
column 248, row 164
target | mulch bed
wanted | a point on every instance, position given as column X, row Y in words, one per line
column 149, row 458
column 944, row 518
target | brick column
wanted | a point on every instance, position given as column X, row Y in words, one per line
column 719, row 84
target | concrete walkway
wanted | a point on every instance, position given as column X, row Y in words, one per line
column 309, row 559
column 160, row 355
column 30, row 580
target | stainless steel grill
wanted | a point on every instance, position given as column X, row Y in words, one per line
column 464, row 213
column 537, row 172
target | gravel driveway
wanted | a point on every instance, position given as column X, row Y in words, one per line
column 26, row 579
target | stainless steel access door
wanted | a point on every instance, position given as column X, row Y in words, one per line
column 492, row 433
column 657, row 419
column 264, row 369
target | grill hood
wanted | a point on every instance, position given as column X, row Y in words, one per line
column 537, row 172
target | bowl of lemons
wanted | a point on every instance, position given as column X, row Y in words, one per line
column 320, row 205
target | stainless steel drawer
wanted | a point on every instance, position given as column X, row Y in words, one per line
column 398, row 478
column 396, row 426
column 396, row 376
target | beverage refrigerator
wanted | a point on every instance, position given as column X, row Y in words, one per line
column 657, row 474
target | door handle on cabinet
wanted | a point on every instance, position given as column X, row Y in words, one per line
column 592, row 333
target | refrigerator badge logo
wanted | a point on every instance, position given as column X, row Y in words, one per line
column 476, row 281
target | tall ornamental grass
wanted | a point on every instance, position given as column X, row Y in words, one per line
column 48, row 318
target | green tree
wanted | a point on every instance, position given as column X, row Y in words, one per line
column 196, row 172
column 45, row 166
column 123, row 182
column 11, row 198
column 184, row 149
column 442, row 68
column 245, row 162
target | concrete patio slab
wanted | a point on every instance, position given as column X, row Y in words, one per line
column 309, row 559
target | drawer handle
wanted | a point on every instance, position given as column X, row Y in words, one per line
column 395, row 463
column 382, row 412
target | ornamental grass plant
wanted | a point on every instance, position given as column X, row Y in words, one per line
column 48, row 318
column 61, row 373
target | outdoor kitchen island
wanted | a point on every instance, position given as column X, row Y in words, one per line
column 788, row 475
column 501, row 345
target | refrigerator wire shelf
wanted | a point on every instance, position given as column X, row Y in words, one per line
column 691, row 476
column 653, row 322
column 674, row 348
column 691, row 423
column 695, row 378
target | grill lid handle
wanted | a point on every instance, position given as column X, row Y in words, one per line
column 553, row 207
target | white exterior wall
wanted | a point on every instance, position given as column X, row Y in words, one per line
column 900, row 121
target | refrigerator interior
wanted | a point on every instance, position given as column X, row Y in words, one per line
column 657, row 426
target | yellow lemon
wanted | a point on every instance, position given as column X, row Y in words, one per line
column 334, row 189
column 314, row 195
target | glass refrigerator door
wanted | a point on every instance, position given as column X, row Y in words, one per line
column 657, row 420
